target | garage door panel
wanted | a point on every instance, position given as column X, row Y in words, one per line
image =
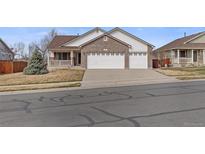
column 105, row 61
column 138, row 61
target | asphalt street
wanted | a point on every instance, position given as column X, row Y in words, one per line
column 170, row 104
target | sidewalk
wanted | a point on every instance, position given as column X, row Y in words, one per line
column 94, row 85
column 109, row 83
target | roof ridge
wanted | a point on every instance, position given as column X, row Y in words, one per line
column 196, row 35
column 179, row 41
column 61, row 39
column 107, row 34
column 66, row 35
column 84, row 34
column 132, row 35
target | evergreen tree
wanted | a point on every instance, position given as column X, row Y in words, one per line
column 36, row 65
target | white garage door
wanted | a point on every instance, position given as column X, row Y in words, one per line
column 138, row 60
column 105, row 61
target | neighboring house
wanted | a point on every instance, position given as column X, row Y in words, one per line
column 185, row 51
column 98, row 49
column 5, row 51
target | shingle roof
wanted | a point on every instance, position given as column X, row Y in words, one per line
column 181, row 43
column 90, row 31
column 60, row 40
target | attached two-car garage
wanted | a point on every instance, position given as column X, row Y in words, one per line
column 116, row 61
column 106, row 61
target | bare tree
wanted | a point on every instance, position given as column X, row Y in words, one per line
column 45, row 41
column 19, row 50
column 42, row 45
column 31, row 48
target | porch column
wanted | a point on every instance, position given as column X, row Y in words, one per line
column 192, row 56
column 172, row 56
column 178, row 56
column 71, row 58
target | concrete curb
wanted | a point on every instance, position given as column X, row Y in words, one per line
column 48, row 88
column 94, row 86
column 76, row 88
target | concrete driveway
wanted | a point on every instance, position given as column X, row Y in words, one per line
column 106, row 78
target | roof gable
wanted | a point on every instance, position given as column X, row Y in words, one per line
column 85, row 37
column 130, row 35
column 70, row 41
column 108, row 35
column 198, row 39
column 182, row 43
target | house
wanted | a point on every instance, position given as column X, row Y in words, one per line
column 5, row 51
column 185, row 51
column 98, row 49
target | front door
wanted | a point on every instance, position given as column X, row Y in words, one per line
column 195, row 56
column 77, row 59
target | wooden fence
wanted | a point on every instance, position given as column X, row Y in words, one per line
column 156, row 63
column 7, row 66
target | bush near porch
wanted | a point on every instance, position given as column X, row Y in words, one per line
column 62, row 75
column 184, row 73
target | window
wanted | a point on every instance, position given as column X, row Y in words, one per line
column 65, row 56
column 68, row 55
column 195, row 56
column 105, row 38
column 183, row 53
column 62, row 55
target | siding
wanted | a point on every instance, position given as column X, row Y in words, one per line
column 5, row 56
column 86, row 38
column 5, row 53
column 200, row 39
column 136, row 45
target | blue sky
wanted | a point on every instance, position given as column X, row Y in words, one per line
column 157, row 36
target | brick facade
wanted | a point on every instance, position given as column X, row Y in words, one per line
column 101, row 46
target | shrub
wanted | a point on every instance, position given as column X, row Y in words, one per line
column 36, row 65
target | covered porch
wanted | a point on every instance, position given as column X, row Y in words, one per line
column 186, row 57
column 68, row 58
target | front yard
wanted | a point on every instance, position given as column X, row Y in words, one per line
column 54, row 79
column 184, row 73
